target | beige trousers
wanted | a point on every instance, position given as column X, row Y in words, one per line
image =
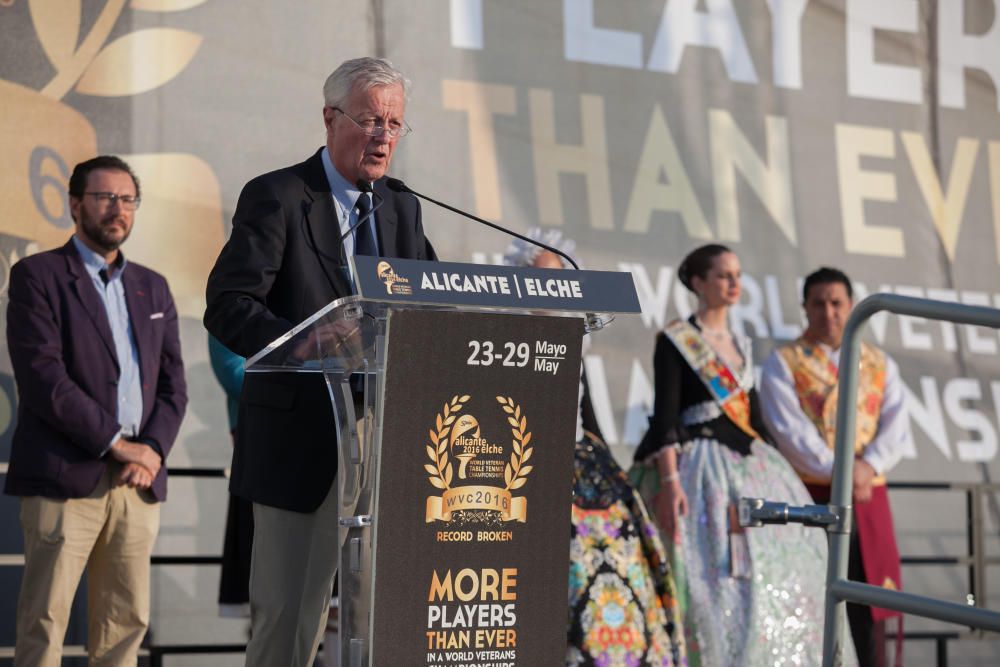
column 291, row 579
column 110, row 533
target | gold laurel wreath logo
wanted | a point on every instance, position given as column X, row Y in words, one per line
column 515, row 473
column 441, row 471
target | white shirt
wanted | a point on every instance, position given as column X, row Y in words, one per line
column 800, row 441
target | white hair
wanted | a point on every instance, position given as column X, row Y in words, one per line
column 522, row 253
column 361, row 74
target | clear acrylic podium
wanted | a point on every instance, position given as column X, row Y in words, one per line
column 347, row 341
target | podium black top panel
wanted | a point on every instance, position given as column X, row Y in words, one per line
column 415, row 282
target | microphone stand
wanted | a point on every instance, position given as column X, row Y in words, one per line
column 397, row 185
column 592, row 321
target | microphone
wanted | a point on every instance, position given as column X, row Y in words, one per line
column 365, row 188
column 397, row 185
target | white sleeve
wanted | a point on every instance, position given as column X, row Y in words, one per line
column 797, row 437
column 893, row 436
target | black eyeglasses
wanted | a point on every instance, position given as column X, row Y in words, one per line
column 109, row 199
column 375, row 129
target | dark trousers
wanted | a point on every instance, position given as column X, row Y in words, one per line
column 868, row 635
column 234, row 584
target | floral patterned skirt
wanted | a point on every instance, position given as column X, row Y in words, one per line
column 622, row 609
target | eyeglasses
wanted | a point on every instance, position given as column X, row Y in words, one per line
column 374, row 129
column 109, row 199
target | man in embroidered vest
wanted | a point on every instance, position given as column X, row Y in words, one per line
column 799, row 402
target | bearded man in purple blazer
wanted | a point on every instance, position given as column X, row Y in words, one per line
column 96, row 354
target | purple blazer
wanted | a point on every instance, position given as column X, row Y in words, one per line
column 66, row 372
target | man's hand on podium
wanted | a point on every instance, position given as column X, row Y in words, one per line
column 341, row 339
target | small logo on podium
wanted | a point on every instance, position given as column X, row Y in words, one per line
column 394, row 283
column 481, row 489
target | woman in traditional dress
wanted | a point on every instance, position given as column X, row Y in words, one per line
column 751, row 597
column 622, row 608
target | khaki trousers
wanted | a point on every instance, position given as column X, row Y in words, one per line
column 292, row 568
column 110, row 533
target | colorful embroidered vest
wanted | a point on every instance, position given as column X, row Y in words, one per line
column 717, row 377
column 815, row 378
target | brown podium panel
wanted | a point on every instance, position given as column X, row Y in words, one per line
column 471, row 545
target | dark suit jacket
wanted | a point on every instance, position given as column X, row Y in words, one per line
column 282, row 263
column 66, row 372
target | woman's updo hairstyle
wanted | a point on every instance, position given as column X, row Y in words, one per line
column 699, row 263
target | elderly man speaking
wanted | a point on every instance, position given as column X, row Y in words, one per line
column 284, row 261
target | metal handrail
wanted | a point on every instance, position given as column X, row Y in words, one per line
column 975, row 558
column 836, row 517
column 839, row 588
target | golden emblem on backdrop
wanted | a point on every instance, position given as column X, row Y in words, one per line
column 44, row 137
column 459, row 436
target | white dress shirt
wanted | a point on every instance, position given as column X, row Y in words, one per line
column 800, row 441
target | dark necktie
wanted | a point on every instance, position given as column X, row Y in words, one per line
column 364, row 235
